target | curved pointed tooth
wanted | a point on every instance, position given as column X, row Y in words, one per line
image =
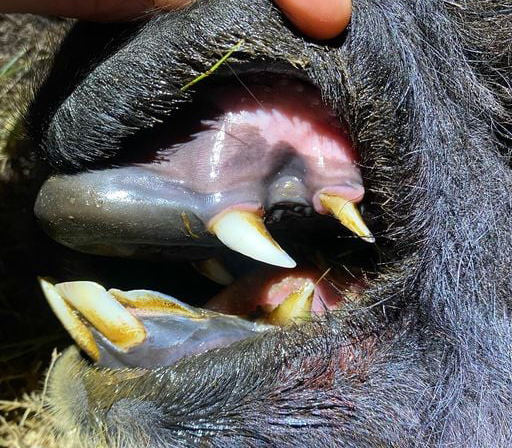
column 107, row 315
column 296, row 307
column 348, row 214
column 245, row 232
column 214, row 270
column 80, row 333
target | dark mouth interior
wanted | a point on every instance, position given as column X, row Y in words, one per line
column 310, row 237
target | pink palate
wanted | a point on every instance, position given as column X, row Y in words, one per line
column 239, row 149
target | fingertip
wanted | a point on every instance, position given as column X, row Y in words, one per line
column 321, row 19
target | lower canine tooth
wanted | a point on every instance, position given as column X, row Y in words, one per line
column 348, row 214
column 296, row 307
column 103, row 312
column 81, row 334
column 245, row 232
column 214, row 270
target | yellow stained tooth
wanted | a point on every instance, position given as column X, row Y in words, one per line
column 245, row 232
column 102, row 310
column 67, row 316
column 348, row 214
column 214, row 270
column 153, row 301
column 295, row 308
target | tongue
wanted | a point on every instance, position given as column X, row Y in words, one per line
column 266, row 288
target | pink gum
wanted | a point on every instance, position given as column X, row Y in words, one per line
column 353, row 194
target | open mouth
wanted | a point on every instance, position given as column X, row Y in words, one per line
column 254, row 185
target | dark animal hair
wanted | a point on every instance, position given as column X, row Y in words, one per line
column 426, row 360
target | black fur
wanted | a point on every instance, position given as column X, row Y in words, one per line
column 426, row 361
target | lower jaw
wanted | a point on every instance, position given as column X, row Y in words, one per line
column 254, row 298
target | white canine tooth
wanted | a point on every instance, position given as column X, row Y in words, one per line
column 214, row 270
column 245, row 232
column 81, row 334
column 102, row 310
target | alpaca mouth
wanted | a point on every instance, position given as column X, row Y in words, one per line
column 209, row 194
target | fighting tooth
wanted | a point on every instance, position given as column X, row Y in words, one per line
column 81, row 334
column 214, row 270
column 348, row 214
column 245, row 232
column 295, row 308
column 102, row 310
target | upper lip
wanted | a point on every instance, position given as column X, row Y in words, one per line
column 113, row 211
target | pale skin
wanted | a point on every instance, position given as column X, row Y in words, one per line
column 319, row 19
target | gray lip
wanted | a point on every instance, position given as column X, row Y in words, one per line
column 172, row 336
column 117, row 212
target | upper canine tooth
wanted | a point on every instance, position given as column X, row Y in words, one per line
column 102, row 310
column 296, row 307
column 245, row 232
column 80, row 332
column 214, row 270
column 348, row 214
